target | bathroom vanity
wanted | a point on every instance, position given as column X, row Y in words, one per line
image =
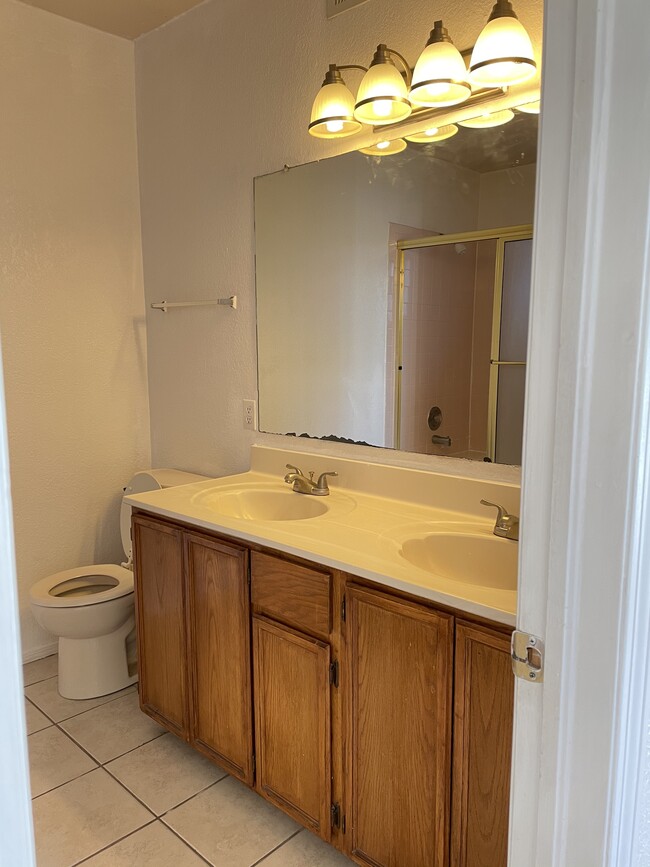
column 322, row 661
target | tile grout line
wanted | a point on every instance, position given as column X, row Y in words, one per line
column 276, row 848
column 189, row 845
column 114, row 843
column 185, row 800
column 74, row 715
column 60, row 786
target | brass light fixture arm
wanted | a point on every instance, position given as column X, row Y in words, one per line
column 408, row 72
column 352, row 66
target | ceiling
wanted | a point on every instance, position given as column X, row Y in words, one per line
column 127, row 18
column 488, row 150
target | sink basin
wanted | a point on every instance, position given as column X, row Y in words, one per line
column 486, row 561
column 257, row 504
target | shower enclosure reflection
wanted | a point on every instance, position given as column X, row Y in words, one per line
column 459, row 335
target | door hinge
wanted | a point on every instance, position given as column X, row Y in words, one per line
column 335, row 815
column 334, row 673
column 527, row 653
column 343, row 609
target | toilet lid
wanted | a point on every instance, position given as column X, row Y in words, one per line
column 140, row 483
column 85, row 585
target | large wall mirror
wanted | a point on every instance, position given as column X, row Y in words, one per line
column 392, row 295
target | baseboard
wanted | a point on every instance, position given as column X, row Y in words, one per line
column 40, row 652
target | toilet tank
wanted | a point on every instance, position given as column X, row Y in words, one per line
column 150, row 480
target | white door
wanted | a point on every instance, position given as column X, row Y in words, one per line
column 580, row 794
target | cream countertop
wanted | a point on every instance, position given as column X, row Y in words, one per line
column 362, row 531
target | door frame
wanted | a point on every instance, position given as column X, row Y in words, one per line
column 16, row 833
column 581, row 741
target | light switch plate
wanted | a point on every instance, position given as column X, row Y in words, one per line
column 335, row 7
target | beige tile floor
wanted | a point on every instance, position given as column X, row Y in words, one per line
column 113, row 789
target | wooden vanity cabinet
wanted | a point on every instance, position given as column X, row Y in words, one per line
column 219, row 641
column 194, row 656
column 483, row 718
column 292, row 723
column 399, row 680
column 381, row 723
column 161, row 624
column 292, row 689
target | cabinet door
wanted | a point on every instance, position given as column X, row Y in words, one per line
column 219, row 626
column 483, row 710
column 399, row 752
column 160, row 610
column 292, row 723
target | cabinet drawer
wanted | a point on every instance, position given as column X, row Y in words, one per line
column 295, row 595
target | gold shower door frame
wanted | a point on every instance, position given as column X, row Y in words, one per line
column 501, row 236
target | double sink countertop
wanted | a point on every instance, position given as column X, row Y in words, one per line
column 430, row 537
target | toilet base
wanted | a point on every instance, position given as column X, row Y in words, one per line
column 92, row 667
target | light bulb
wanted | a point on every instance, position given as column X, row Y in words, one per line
column 433, row 134
column 384, row 148
column 382, row 96
column 332, row 114
column 381, row 107
column 440, row 75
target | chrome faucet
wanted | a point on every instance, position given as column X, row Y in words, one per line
column 506, row 526
column 306, row 485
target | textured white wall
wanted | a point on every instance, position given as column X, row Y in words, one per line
column 71, row 303
column 223, row 95
column 507, row 197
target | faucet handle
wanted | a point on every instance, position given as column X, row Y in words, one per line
column 321, row 484
column 502, row 513
column 294, row 469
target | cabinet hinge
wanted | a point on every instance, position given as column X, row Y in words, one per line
column 343, row 824
column 343, row 609
column 334, row 673
column 254, row 764
column 335, row 814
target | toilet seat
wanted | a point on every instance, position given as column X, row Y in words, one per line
column 122, row 579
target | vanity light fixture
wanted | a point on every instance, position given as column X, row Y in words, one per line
column 383, row 96
column 390, row 91
column 332, row 115
column 433, row 134
column 384, row 148
column 530, row 107
column 489, row 119
column 503, row 53
column 440, row 74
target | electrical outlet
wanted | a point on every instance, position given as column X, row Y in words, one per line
column 335, row 7
column 250, row 415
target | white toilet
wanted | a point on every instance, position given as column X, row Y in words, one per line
column 91, row 609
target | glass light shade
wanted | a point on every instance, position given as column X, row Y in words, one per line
column 332, row 115
column 382, row 96
column 503, row 54
column 433, row 134
column 385, row 148
column 440, row 76
column 530, row 107
column 484, row 121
